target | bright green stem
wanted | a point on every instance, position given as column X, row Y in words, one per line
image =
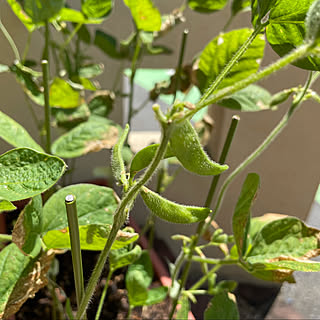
column 202, row 280
column 45, row 71
column 120, row 217
column 27, row 47
column 73, row 224
column 214, row 261
column 10, row 40
column 229, row 66
column 73, row 33
column 223, row 157
column 5, row 237
column 179, row 66
column 133, row 73
column 103, row 295
column 263, row 146
column 296, row 54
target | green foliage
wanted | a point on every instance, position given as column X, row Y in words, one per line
column 207, row 6
column 26, row 173
column 96, row 8
column 221, row 49
column 6, row 205
column 13, row 133
column 123, row 257
column 240, row 5
column 222, row 306
column 242, row 212
column 313, row 22
column 171, row 211
column 91, row 136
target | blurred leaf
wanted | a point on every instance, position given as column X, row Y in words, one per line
column 4, row 68
column 6, row 205
column 63, row 95
column 156, row 295
column 71, row 15
column 23, row 17
column 108, row 44
column 207, row 6
column 92, row 237
column 250, row 99
column 42, row 10
column 101, row 103
column 91, row 136
column 183, row 312
column 91, row 70
column 96, row 8
column 221, row 49
column 222, row 306
column 25, row 173
column 13, row 133
column 145, row 15
column 95, row 205
column 240, row 5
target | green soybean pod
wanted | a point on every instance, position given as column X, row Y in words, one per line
column 117, row 163
column 186, row 146
column 144, row 157
column 171, row 211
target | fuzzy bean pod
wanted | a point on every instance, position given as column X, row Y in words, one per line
column 186, row 146
column 171, row 211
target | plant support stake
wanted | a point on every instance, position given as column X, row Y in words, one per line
column 71, row 208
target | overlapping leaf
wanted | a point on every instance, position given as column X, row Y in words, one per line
column 207, row 6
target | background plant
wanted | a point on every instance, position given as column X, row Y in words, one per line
column 225, row 73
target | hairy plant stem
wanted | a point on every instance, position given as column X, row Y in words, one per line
column 133, row 73
column 45, row 70
column 296, row 54
column 103, row 295
column 120, row 217
column 73, row 224
column 229, row 66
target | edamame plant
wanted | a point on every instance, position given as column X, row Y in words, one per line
column 89, row 217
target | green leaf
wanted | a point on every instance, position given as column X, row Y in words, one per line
column 101, row 103
column 288, row 237
column 108, row 44
column 123, row 257
column 95, row 205
column 183, row 312
column 295, row 265
column 221, row 50
column 145, row 15
column 261, row 9
column 6, row 205
column 20, row 277
column 27, row 229
column 25, row 173
column 92, row 237
column 144, row 157
column 96, row 8
column 12, row 264
column 313, row 22
column 138, row 279
column 71, row 15
column 62, row 95
column 242, row 213
column 250, row 99
column 20, row 13
column 28, row 83
column 222, row 306
column 171, row 211
column 13, row 133
column 92, row 136
column 69, row 118
column 156, row 295
column 286, row 30
column 207, row 6
column 240, row 5
column 91, row 70
column 43, row 10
